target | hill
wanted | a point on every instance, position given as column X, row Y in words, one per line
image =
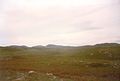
column 66, row 63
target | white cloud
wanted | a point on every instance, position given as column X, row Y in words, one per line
column 73, row 22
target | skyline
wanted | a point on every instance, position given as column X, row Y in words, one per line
column 62, row 22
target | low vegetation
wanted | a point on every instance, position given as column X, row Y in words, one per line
column 100, row 62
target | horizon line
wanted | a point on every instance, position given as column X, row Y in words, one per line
column 57, row 44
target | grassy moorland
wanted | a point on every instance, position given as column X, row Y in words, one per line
column 99, row 62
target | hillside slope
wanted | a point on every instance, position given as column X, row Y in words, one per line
column 100, row 62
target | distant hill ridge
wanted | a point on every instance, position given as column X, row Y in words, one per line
column 108, row 44
column 61, row 46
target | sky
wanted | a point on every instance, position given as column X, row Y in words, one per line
column 63, row 22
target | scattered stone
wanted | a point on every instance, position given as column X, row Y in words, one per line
column 54, row 77
column 49, row 74
column 30, row 72
column 20, row 79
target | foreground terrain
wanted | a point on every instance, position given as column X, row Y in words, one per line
column 100, row 62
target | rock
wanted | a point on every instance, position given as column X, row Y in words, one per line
column 30, row 72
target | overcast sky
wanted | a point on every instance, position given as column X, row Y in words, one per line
column 65, row 22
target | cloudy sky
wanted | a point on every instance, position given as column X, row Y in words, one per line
column 65, row 22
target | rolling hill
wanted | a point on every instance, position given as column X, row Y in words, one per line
column 100, row 62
